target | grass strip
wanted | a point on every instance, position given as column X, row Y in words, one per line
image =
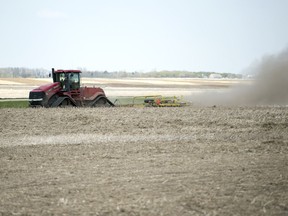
column 14, row 104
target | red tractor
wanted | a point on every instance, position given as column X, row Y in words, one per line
column 66, row 91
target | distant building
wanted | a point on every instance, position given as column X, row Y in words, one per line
column 250, row 76
column 215, row 76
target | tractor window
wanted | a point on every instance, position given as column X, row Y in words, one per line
column 74, row 81
column 69, row 81
column 60, row 77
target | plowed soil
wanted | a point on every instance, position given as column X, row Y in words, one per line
column 144, row 161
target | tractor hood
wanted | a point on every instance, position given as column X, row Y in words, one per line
column 47, row 87
column 41, row 95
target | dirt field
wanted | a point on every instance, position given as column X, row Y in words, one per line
column 144, row 161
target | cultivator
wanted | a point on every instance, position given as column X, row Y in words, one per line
column 150, row 101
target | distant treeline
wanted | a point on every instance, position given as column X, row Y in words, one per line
column 23, row 72
column 42, row 73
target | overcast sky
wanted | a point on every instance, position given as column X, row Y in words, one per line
column 141, row 35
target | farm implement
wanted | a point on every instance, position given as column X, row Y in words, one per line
column 150, row 101
column 160, row 101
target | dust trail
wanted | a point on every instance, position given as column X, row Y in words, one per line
column 270, row 86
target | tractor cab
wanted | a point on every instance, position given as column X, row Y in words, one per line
column 65, row 91
column 69, row 79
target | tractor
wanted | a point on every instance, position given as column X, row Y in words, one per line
column 66, row 91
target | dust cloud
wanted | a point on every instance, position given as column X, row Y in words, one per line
column 268, row 87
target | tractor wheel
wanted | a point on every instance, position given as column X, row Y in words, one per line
column 101, row 103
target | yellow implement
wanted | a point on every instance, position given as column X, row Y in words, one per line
column 150, row 101
column 160, row 101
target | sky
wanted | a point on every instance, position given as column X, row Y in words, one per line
column 141, row 35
